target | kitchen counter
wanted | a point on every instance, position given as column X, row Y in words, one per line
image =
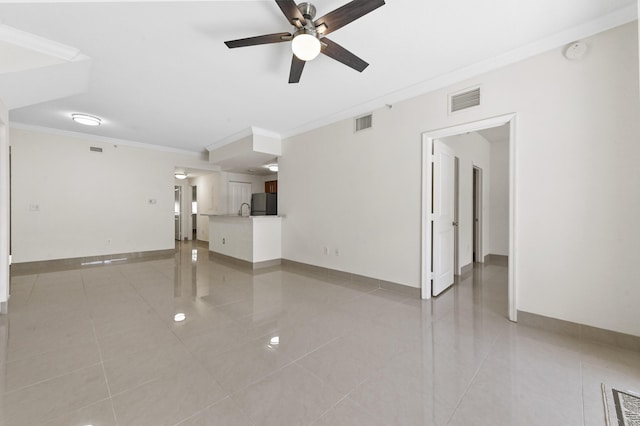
column 241, row 217
column 253, row 239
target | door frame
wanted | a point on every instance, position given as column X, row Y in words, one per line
column 456, row 218
column 477, row 225
column 177, row 192
column 5, row 212
column 427, row 177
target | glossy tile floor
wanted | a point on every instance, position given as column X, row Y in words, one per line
column 102, row 346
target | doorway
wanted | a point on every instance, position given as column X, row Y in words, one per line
column 177, row 215
column 428, row 257
column 5, row 217
column 477, row 255
column 456, row 217
column 194, row 212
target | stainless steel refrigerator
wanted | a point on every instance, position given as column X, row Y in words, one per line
column 263, row 204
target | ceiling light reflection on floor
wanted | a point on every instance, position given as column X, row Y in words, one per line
column 274, row 342
column 179, row 317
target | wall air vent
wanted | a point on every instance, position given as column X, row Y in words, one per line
column 364, row 122
column 463, row 100
column 95, row 149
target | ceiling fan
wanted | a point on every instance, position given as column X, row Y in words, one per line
column 308, row 38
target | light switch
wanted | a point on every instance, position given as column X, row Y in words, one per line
column 152, row 200
column 34, row 207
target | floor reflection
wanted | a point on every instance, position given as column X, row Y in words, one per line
column 194, row 340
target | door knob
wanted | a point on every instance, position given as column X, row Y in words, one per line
column 454, row 223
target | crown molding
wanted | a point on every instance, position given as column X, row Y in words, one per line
column 104, row 139
column 40, row 44
column 603, row 23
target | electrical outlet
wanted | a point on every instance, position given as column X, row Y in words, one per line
column 326, row 251
column 223, row 241
column 337, row 252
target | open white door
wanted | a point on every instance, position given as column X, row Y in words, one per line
column 443, row 217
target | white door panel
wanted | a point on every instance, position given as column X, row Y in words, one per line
column 443, row 217
column 239, row 192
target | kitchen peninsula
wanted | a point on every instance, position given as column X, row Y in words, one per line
column 256, row 240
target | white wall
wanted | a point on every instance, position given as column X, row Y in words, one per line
column 89, row 203
column 472, row 150
column 253, row 239
column 499, row 209
column 232, row 236
column 4, row 207
column 576, row 173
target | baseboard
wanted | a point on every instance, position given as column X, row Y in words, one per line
column 466, row 268
column 374, row 283
column 584, row 332
column 496, row 259
column 244, row 263
column 27, row 268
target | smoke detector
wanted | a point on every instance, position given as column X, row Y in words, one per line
column 575, row 51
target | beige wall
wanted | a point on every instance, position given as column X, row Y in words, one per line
column 576, row 173
column 70, row 202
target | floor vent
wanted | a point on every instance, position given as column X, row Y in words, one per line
column 364, row 122
column 464, row 100
column 95, row 149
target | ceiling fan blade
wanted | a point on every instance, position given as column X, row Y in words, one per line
column 346, row 14
column 263, row 39
column 340, row 54
column 291, row 11
column 297, row 65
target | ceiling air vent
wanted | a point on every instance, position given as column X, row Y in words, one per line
column 464, row 100
column 364, row 122
column 95, row 149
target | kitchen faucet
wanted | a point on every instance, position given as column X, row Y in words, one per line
column 241, row 206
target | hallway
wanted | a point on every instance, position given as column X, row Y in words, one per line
column 195, row 341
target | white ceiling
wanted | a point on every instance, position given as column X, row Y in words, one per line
column 162, row 75
column 496, row 134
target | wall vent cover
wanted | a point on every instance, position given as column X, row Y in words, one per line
column 95, row 149
column 464, row 100
column 364, row 122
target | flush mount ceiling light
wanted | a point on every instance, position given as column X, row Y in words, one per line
column 87, row 120
column 272, row 167
column 180, row 175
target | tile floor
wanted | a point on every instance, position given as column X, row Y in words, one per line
column 101, row 346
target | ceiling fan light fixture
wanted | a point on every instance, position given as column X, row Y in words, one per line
column 87, row 120
column 305, row 46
